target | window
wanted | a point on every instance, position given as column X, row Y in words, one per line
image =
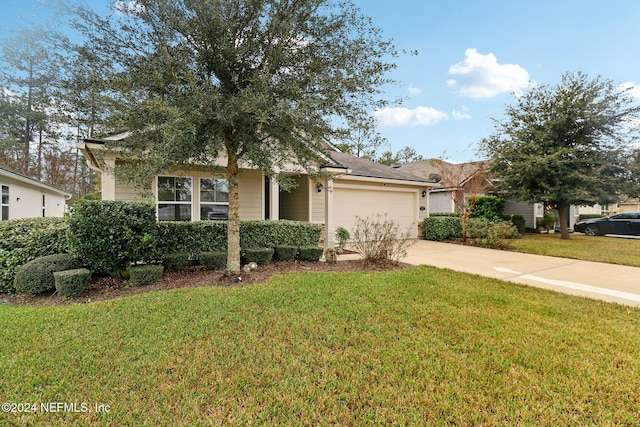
column 5, row 202
column 214, row 199
column 174, row 198
column 43, row 206
column 604, row 209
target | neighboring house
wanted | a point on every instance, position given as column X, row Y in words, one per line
column 463, row 180
column 458, row 181
column 358, row 188
column 24, row 197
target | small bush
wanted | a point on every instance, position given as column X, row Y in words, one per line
column 260, row 256
column 379, row 240
column 518, row 221
column 310, row 253
column 71, row 283
column 109, row 235
column 145, row 274
column 445, row 214
column 478, row 228
column 177, row 261
column 285, row 252
column 342, row 236
column 496, row 235
column 36, row 276
column 23, row 240
column 442, row 228
column 589, row 216
column 213, row 260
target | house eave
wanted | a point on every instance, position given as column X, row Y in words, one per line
column 34, row 182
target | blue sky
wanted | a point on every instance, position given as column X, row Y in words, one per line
column 473, row 55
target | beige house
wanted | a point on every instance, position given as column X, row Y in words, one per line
column 24, row 197
column 358, row 188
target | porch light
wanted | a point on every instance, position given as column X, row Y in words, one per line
column 320, row 187
column 424, row 193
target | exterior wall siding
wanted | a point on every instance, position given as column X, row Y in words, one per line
column 25, row 201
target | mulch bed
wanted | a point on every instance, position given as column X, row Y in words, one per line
column 106, row 287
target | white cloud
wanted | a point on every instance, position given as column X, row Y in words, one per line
column 124, row 7
column 482, row 77
column 461, row 114
column 414, row 90
column 634, row 89
column 401, row 116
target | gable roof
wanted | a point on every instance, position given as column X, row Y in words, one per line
column 4, row 171
column 359, row 166
column 430, row 167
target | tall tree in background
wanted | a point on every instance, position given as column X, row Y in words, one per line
column 257, row 81
column 362, row 139
column 28, row 74
column 565, row 144
column 403, row 155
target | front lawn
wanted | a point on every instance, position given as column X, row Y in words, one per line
column 411, row 347
column 610, row 250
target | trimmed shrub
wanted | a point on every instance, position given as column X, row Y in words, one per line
column 177, row 261
column 192, row 237
column 211, row 236
column 269, row 234
column 285, row 252
column 260, row 256
column 439, row 214
column 71, row 283
column 442, row 228
column 37, row 275
column 214, row 260
column 108, row 236
column 342, row 236
column 147, row 274
column 310, row 253
column 489, row 207
column 23, row 240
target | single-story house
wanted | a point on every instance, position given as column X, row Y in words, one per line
column 358, row 188
column 25, row 197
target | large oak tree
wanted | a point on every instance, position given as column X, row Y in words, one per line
column 566, row 144
column 257, row 81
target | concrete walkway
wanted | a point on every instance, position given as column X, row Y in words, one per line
column 608, row 282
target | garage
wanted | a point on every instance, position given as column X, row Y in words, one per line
column 397, row 202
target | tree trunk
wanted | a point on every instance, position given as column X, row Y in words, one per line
column 563, row 214
column 233, row 227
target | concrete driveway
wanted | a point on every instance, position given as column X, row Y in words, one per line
column 608, row 282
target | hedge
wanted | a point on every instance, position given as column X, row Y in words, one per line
column 285, row 252
column 211, row 236
column 71, row 283
column 36, row 276
column 310, row 253
column 214, row 260
column 109, row 235
column 442, row 228
column 145, row 274
column 177, row 261
column 260, row 256
column 23, row 240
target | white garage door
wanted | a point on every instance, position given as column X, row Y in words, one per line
column 401, row 206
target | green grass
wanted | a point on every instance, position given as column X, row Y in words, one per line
column 588, row 248
column 421, row 346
